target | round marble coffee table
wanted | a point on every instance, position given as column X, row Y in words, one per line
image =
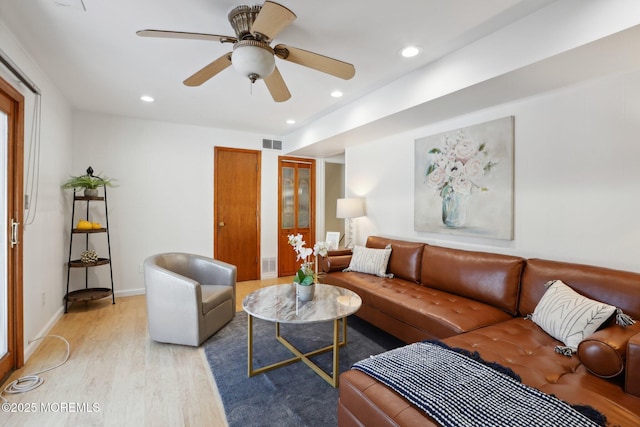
column 279, row 304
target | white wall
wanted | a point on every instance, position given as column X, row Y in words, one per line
column 576, row 176
column 164, row 198
column 548, row 34
column 44, row 248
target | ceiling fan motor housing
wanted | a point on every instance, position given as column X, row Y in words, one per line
column 241, row 19
column 253, row 59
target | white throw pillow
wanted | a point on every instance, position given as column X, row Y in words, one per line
column 568, row 316
column 370, row 261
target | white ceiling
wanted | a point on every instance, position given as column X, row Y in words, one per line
column 95, row 58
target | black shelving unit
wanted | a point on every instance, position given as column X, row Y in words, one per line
column 89, row 293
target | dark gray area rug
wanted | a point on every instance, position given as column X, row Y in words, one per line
column 293, row 395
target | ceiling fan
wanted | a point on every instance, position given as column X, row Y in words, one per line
column 252, row 56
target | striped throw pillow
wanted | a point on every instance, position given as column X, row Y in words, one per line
column 370, row 261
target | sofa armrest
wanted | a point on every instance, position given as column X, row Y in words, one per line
column 604, row 352
column 336, row 260
column 632, row 380
column 339, row 252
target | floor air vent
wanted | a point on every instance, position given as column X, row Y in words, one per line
column 269, row 265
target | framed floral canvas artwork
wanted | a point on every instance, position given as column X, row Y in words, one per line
column 464, row 181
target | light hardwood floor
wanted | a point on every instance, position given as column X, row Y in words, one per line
column 118, row 372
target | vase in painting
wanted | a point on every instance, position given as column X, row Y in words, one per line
column 454, row 209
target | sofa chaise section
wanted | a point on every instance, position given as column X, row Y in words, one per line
column 605, row 378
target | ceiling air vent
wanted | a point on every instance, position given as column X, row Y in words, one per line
column 271, row 144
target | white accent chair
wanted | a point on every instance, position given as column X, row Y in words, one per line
column 189, row 297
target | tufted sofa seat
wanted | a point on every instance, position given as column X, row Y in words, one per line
column 435, row 292
column 414, row 313
column 477, row 301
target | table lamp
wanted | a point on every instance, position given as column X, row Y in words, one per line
column 350, row 208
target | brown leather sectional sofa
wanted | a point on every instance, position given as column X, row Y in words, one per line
column 477, row 301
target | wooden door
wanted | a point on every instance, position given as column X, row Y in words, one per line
column 11, row 189
column 296, row 209
column 237, row 210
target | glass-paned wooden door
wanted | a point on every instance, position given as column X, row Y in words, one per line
column 296, row 195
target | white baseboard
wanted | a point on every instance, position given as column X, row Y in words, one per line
column 33, row 345
column 130, row 292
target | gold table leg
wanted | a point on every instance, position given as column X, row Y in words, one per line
column 332, row 379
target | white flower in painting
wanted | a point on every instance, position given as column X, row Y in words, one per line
column 455, row 168
column 458, row 165
column 437, row 178
column 450, row 155
column 461, row 184
column 465, row 150
column 473, row 169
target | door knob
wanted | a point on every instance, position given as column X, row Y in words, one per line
column 221, row 223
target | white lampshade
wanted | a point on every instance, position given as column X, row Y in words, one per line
column 253, row 59
column 350, row 208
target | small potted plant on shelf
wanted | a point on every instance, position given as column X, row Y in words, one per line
column 305, row 276
column 89, row 182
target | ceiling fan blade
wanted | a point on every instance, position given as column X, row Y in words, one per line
column 316, row 61
column 272, row 19
column 277, row 87
column 184, row 35
column 209, row 70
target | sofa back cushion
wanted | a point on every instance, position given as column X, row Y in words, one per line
column 615, row 287
column 490, row 278
column 405, row 257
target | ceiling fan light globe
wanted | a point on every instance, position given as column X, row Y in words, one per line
column 254, row 62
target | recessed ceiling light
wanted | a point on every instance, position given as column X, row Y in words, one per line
column 291, row 122
column 147, row 98
column 410, row 51
column 336, row 94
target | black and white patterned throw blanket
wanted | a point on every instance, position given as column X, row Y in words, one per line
column 459, row 389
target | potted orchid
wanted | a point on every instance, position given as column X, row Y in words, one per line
column 305, row 276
